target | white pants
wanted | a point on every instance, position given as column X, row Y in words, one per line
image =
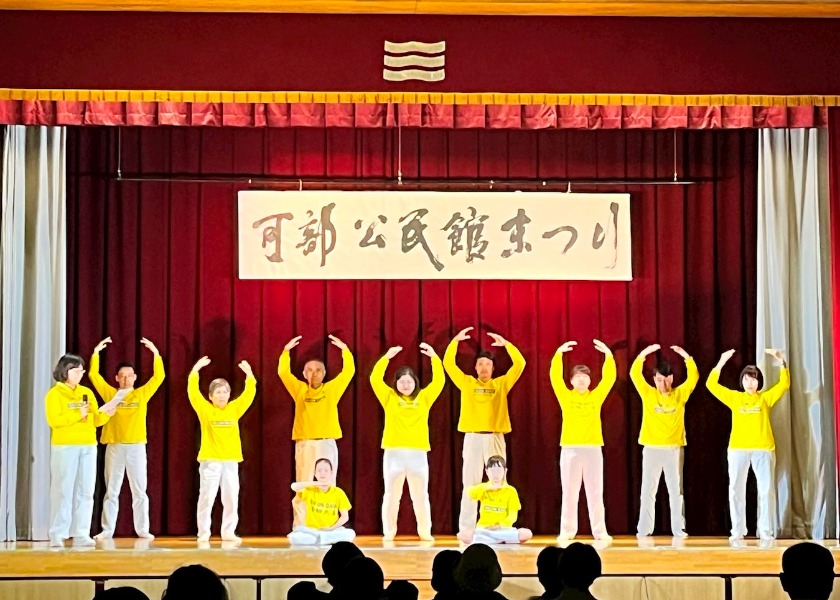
column 119, row 460
column 657, row 461
column 504, row 535
column 307, row 453
column 72, row 481
column 309, row 536
column 478, row 447
column 582, row 464
column 397, row 466
column 212, row 474
column 764, row 466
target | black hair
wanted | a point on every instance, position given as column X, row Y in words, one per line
column 663, row 369
column 486, row 354
column 318, row 462
column 754, row 372
column 65, row 363
column 807, row 571
column 195, row 581
column 124, row 364
column 495, row 461
column 405, row 370
column 580, row 566
column 336, row 559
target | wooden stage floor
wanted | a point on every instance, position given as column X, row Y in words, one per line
column 407, row 558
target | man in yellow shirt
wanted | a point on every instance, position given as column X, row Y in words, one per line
column 751, row 443
column 125, row 438
column 221, row 447
column 581, row 440
column 484, row 413
column 499, row 507
column 405, row 441
column 662, row 436
column 316, row 426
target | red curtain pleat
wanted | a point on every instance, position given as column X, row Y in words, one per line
column 159, row 260
column 443, row 116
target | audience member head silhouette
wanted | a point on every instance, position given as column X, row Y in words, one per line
column 336, row 559
column 121, row 593
column 580, row 565
column 303, row 590
column 807, row 572
column 363, row 579
column 443, row 573
column 195, row 581
column 402, row 590
column 548, row 571
column 478, row 571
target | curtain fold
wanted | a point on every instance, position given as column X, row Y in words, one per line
column 794, row 304
column 33, row 291
column 376, row 115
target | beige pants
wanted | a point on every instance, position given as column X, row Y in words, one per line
column 399, row 465
column 582, row 464
column 307, row 453
column 478, row 447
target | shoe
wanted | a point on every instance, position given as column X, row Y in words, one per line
column 564, row 538
column 426, row 537
column 767, row 542
column 84, row 541
column 389, row 537
column 56, row 543
column 230, row 537
column 145, row 536
column 104, row 535
column 681, row 534
column 604, row 537
column 202, row 539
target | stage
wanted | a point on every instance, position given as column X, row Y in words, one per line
column 264, row 567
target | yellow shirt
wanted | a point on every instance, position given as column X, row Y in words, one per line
column 406, row 418
column 128, row 425
column 316, row 410
column 663, row 417
column 581, row 412
column 64, row 415
column 751, row 429
column 484, row 405
column 220, row 426
column 322, row 507
column 498, row 507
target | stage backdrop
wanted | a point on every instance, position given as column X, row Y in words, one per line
column 160, row 260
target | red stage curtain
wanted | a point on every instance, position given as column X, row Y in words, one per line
column 445, row 116
column 159, row 260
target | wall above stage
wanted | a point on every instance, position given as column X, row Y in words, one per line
column 346, row 53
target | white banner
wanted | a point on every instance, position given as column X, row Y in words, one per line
column 433, row 235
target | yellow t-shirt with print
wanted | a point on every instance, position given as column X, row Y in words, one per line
column 406, row 419
column 316, row 410
column 663, row 416
column 484, row 405
column 322, row 507
column 220, row 426
column 581, row 412
column 751, row 428
column 498, row 506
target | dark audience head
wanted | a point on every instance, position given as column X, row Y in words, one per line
column 478, row 571
column 443, row 571
column 548, row 570
column 121, row 593
column 402, row 590
column 336, row 559
column 195, row 581
column 580, row 565
column 807, row 572
column 302, row 590
column 362, row 579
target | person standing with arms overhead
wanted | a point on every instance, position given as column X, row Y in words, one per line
column 405, row 441
column 221, row 447
column 125, row 437
column 751, row 443
column 582, row 440
column 484, row 414
column 662, row 436
column 316, row 426
column 73, row 416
